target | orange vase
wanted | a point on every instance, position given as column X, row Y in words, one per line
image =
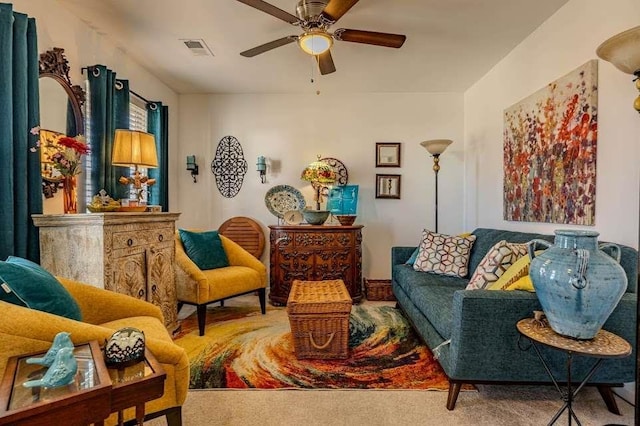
column 70, row 195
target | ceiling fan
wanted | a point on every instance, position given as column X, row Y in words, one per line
column 315, row 17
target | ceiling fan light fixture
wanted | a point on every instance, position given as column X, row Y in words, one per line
column 315, row 42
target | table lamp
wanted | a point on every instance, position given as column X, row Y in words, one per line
column 318, row 173
column 137, row 149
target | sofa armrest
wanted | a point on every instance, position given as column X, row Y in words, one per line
column 400, row 255
column 484, row 337
column 99, row 306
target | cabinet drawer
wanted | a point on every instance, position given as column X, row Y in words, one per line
column 160, row 235
column 129, row 239
column 322, row 240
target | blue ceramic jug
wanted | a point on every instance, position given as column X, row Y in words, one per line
column 577, row 283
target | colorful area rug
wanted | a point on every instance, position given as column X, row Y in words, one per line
column 244, row 349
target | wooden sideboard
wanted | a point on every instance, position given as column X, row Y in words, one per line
column 308, row 252
column 129, row 253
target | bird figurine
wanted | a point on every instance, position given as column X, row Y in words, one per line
column 62, row 340
column 62, row 371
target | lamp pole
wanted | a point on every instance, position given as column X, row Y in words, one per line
column 436, row 147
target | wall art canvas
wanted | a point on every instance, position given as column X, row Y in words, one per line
column 550, row 151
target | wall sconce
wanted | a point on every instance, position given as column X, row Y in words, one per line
column 192, row 166
column 261, row 167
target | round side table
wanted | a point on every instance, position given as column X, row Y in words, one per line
column 604, row 345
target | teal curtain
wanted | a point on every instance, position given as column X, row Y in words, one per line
column 21, row 183
column 158, row 125
column 108, row 110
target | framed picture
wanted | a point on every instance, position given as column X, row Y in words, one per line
column 388, row 186
column 387, row 154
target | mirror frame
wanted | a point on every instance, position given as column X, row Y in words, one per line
column 54, row 64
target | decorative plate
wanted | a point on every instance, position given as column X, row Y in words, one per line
column 293, row 217
column 339, row 168
column 282, row 198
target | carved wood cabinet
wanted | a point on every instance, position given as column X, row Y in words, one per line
column 129, row 253
column 307, row 252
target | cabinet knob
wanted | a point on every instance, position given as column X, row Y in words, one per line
column 160, row 237
column 141, row 293
column 154, row 288
column 129, row 242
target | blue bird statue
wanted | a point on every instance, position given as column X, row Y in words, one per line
column 62, row 371
column 62, row 340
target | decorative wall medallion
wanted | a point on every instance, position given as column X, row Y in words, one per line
column 229, row 166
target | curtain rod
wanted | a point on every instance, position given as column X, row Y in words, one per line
column 83, row 69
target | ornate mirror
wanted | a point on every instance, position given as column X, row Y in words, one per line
column 60, row 111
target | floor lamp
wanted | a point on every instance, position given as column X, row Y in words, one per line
column 435, row 148
column 623, row 51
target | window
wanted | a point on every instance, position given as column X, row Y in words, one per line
column 138, row 121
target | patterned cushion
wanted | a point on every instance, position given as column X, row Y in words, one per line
column 494, row 264
column 444, row 254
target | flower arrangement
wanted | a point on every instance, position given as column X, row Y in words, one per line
column 64, row 152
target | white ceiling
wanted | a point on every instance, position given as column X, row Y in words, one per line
column 450, row 43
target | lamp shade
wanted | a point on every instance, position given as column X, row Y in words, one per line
column 318, row 172
column 436, row 146
column 315, row 42
column 623, row 51
column 134, row 148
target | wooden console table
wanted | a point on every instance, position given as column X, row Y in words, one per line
column 314, row 253
column 129, row 253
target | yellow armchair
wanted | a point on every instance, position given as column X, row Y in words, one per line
column 25, row 330
column 245, row 274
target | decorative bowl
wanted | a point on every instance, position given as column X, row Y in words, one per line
column 346, row 219
column 102, row 209
column 315, row 217
column 133, row 209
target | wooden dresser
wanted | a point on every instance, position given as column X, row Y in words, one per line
column 129, row 253
column 308, row 252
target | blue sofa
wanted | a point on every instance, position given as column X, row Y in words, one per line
column 473, row 332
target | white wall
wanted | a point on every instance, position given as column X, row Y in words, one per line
column 290, row 130
column 83, row 46
column 565, row 41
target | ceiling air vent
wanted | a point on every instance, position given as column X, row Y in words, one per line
column 197, row 47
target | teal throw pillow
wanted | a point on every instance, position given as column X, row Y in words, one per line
column 204, row 248
column 413, row 257
column 25, row 283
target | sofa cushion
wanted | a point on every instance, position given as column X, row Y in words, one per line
column 408, row 279
column 444, row 254
column 204, row 249
column 25, row 283
column 495, row 263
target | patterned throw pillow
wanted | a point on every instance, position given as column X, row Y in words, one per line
column 515, row 274
column 444, row 254
column 497, row 260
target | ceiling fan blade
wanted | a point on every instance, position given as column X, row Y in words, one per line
column 336, row 8
column 370, row 37
column 325, row 63
column 271, row 10
column 268, row 46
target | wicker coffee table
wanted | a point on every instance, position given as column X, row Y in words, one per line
column 319, row 318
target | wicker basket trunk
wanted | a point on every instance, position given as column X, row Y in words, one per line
column 319, row 317
column 378, row 290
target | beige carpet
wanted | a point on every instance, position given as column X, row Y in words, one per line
column 491, row 406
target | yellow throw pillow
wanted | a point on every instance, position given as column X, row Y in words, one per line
column 523, row 283
column 519, row 269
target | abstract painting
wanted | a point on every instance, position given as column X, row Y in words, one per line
column 550, row 151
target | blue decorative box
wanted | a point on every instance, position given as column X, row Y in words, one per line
column 343, row 200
